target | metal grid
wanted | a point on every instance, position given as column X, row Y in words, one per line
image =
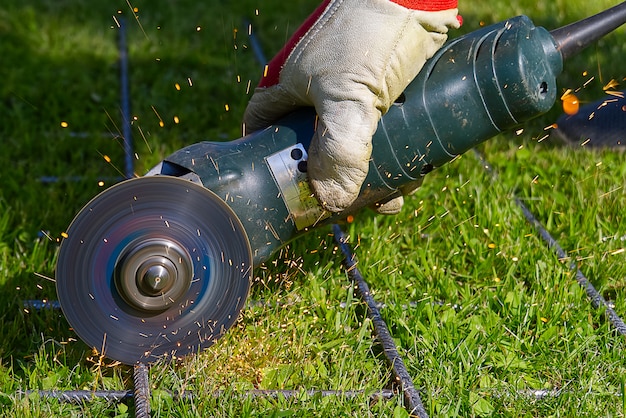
column 403, row 382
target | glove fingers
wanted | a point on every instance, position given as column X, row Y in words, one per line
column 267, row 105
column 340, row 152
column 394, row 205
column 389, row 207
column 411, row 187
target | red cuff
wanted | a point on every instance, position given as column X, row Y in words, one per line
column 428, row 5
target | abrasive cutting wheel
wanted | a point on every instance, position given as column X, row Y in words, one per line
column 153, row 267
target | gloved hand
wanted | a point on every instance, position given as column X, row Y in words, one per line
column 350, row 60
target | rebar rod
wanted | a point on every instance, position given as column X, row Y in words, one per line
column 141, row 392
column 411, row 396
column 597, row 301
column 82, row 396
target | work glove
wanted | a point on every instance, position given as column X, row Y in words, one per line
column 351, row 59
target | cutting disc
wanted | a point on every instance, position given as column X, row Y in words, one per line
column 153, row 267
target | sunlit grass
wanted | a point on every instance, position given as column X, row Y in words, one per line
column 482, row 311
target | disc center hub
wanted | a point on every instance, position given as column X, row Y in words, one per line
column 153, row 274
column 156, row 276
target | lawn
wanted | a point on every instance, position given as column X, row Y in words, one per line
column 482, row 311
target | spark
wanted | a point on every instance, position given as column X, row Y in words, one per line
column 119, row 132
column 44, row 277
column 161, row 123
column 145, row 140
column 135, row 10
column 47, row 235
column 570, row 102
column 606, row 103
column 108, row 160
column 177, row 86
column 611, row 191
column 64, row 124
column 610, row 85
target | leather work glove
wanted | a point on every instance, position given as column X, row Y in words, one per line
column 350, row 60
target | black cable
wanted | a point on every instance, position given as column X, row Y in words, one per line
column 411, row 396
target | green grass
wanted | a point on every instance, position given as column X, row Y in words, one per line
column 481, row 309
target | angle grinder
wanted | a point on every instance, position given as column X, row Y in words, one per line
column 160, row 266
